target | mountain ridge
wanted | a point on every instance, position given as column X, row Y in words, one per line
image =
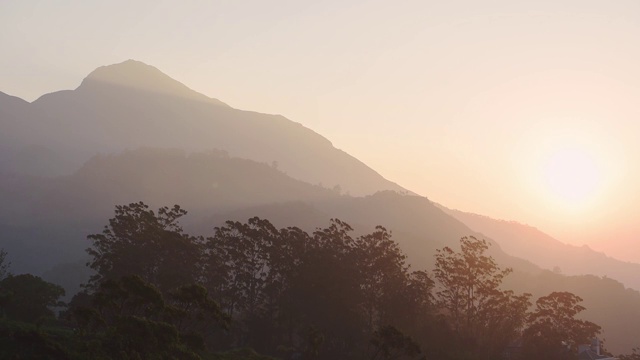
column 137, row 75
column 100, row 117
column 530, row 243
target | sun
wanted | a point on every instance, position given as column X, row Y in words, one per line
column 573, row 176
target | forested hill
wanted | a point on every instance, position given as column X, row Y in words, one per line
column 214, row 187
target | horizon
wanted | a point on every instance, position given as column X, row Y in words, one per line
column 504, row 110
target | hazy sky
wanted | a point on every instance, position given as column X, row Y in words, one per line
column 521, row 110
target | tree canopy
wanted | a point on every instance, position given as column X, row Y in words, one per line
column 29, row 298
column 4, row 264
column 554, row 331
column 160, row 293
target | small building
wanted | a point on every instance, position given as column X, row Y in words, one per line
column 592, row 351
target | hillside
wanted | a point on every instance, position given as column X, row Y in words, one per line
column 529, row 243
column 132, row 105
column 41, row 214
column 213, row 187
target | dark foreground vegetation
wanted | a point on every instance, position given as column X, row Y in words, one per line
column 251, row 289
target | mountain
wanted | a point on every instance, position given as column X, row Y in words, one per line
column 529, row 243
column 132, row 105
column 213, row 187
column 135, row 75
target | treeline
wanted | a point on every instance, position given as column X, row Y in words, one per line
column 160, row 293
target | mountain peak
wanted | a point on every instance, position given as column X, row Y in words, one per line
column 129, row 72
column 136, row 75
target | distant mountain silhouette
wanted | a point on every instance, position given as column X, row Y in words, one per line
column 529, row 243
column 200, row 182
column 213, row 187
column 132, row 105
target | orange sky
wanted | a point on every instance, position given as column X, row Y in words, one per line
column 480, row 106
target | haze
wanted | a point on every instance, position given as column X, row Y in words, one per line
column 481, row 107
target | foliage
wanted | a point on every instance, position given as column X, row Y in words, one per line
column 24, row 341
column 383, row 273
column 130, row 317
column 140, row 242
column 481, row 315
column 159, row 293
column 4, row 264
column 391, row 344
column 554, row 332
column 240, row 354
column 29, row 298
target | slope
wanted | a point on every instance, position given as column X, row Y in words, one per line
column 132, row 105
column 529, row 243
column 211, row 186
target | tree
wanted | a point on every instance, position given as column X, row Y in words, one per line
column 554, row 332
column 140, row 242
column 483, row 317
column 468, row 280
column 415, row 311
column 327, row 293
column 193, row 312
column 390, row 344
column 243, row 251
column 130, row 318
column 384, row 275
column 4, row 264
column 29, row 298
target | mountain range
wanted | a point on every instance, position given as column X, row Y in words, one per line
column 130, row 133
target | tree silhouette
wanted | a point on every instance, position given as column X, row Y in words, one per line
column 140, row 242
column 554, row 332
column 4, row 264
column 384, row 275
column 130, row 318
column 29, row 298
column 390, row 344
column 482, row 316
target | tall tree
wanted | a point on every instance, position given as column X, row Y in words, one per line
column 469, row 292
column 384, row 276
column 468, row 280
column 326, row 287
column 554, row 331
column 139, row 241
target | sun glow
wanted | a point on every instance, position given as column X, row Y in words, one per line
column 573, row 177
column 570, row 167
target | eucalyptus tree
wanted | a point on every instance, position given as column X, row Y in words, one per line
column 152, row 245
column 554, row 330
column 481, row 314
